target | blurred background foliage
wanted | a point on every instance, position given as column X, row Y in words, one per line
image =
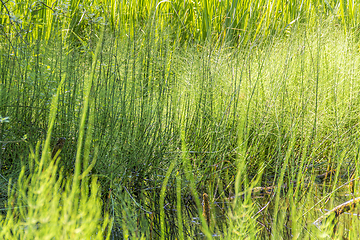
column 220, row 21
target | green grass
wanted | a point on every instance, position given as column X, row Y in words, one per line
column 155, row 115
column 196, row 21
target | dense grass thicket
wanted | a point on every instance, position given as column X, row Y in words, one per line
column 182, row 119
column 221, row 21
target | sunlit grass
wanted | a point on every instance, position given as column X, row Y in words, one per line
column 157, row 121
column 234, row 21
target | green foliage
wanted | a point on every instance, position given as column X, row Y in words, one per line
column 234, row 21
column 163, row 101
column 43, row 204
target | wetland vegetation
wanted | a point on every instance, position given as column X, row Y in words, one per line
column 179, row 119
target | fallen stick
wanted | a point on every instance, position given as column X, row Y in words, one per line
column 338, row 210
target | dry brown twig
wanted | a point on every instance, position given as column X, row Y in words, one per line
column 206, row 208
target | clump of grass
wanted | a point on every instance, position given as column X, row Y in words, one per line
column 43, row 204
